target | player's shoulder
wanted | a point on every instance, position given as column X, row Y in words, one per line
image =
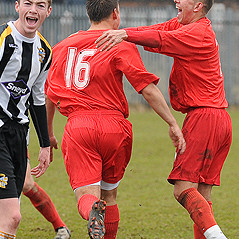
column 65, row 41
column 3, row 27
column 126, row 46
column 43, row 39
column 201, row 27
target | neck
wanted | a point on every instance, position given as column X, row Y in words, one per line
column 102, row 25
column 199, row 16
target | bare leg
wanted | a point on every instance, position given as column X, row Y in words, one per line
column 43, row 203
column 10, row 208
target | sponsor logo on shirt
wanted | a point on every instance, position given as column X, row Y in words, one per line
column 3, row 180
column 17, row 88
column 42, row 54
column 13, row 45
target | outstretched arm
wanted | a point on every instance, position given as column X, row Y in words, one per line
column 149, row 38
column 156, row 100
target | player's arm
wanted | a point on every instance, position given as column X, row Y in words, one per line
column 39, row 118
column 148, row 38
column 156, row 100
column 50, row 117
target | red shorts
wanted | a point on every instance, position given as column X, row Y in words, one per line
column 96, row 146
column 208, row 135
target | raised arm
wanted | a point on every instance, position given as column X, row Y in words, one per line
column 156, row 100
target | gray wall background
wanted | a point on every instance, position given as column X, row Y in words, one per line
column 67, row 19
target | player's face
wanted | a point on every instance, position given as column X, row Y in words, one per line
column 187, row 10
column 32, row 13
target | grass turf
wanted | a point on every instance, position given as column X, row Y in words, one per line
column 147, row 207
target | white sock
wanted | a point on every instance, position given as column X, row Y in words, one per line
column 214, row 232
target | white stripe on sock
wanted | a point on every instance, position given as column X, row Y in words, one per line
column 214, row 232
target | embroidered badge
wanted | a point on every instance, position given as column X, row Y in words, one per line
column 42, row 54
column 3, row 180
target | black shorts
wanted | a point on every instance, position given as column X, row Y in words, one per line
column 13, row 159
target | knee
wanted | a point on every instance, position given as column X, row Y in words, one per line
column 182, row 186
column 176, row 194
column 14, row 220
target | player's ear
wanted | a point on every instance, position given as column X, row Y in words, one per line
column 17, row 6
column 198, row 6
column 49, row 11
column 115, row 13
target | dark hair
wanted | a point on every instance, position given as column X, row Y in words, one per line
column 207, row 5
column 99, row 10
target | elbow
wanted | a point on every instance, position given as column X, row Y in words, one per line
column 147, row 92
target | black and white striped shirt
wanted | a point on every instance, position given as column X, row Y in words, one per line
column 24, row 64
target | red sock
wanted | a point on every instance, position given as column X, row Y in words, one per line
column 197, row 232
column 85, row 204
column 111, row 221
column 45, row 206
column 198, row 208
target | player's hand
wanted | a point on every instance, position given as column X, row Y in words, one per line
column 111, row 38
column 44, row 162
column 54, row 144
column 176, row 135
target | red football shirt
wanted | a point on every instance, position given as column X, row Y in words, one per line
column 196, row 78
column 82, row 77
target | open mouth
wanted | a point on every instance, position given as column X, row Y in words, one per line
column 179, row 9
column 31, row 20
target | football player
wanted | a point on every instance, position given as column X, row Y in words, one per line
column 86, row 85
column 25, row 58
column 196, row 87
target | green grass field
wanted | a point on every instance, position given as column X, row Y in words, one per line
column 147, row 207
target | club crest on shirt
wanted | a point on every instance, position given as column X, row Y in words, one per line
column 42, row 54
column 17, row 88
column 3, row 180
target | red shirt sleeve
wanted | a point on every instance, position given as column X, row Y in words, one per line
column 182, row 42
column 149, row 38
column 128, row 61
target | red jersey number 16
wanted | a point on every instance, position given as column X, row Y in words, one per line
column 77, row 70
